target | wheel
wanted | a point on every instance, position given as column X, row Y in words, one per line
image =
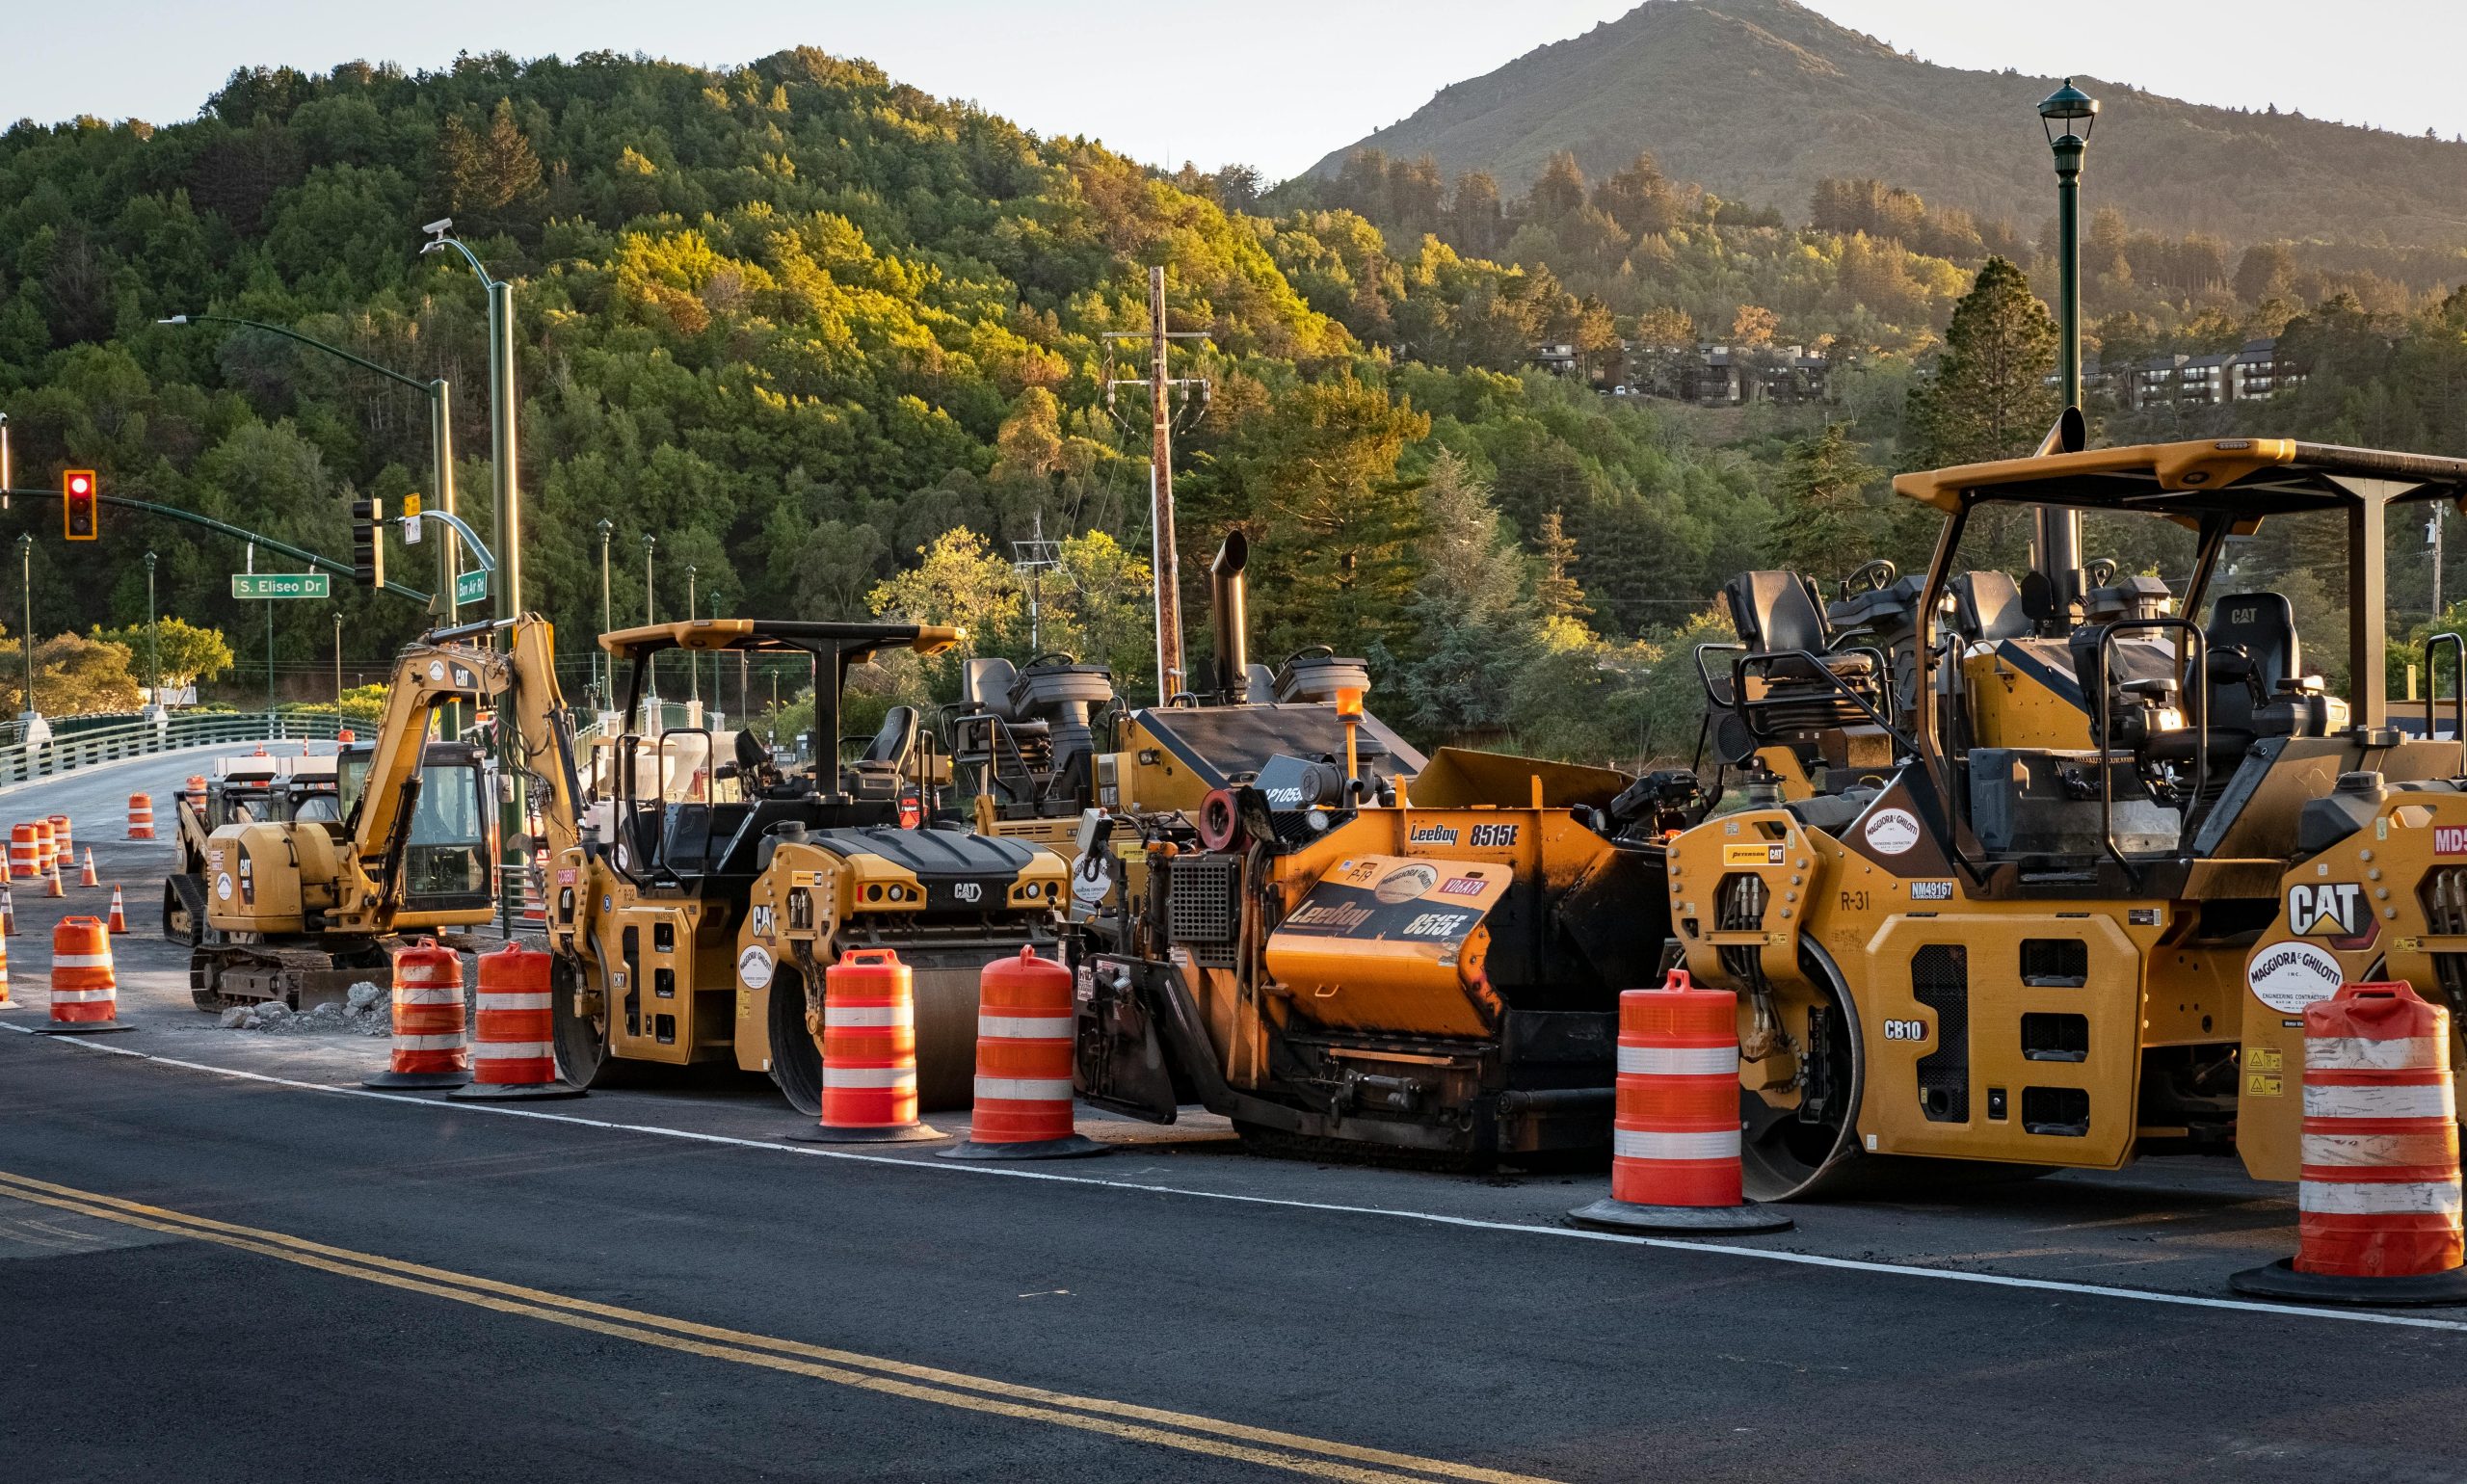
column 796, row 1057
column 1783, row 1156
column 581, row 1042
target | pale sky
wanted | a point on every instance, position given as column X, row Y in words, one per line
column 1272, row 83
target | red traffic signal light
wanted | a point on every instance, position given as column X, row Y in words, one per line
column 78, row 497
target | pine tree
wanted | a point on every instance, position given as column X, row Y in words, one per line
column 1557, row 593
column 1989, row 398
column 1822, row 520
column 1472, row 621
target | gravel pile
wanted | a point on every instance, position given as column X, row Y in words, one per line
column 368, row 1011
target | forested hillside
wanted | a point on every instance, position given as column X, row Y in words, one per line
column 801, row 323
column 1760, row 99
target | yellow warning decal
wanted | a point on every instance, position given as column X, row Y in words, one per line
column 2264, row 1084
column 2266, row 1058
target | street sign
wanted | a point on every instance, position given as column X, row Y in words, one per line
column 471, row 586
column 281, row 585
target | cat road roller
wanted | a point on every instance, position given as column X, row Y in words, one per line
column 692, row 927
column 2052, row 937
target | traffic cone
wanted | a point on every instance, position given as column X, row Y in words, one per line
column 5, row 1003
column 51, row 886
column 120, row 912
column 1675, row 1162
column 85, row 876
column 8, row 913
column 2378, row 1207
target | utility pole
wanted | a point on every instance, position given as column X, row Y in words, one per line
column 1031, row 559
column 1160, row 384
column 4, row 461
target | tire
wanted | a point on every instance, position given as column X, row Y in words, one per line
column 796, row 1060
column 583, row 1057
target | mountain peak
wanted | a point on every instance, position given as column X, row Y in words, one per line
column 1759, row 100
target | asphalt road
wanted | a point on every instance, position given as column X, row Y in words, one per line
column 229, row 1270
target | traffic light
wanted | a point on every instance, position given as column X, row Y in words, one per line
column 77, row 502
column 368, row 541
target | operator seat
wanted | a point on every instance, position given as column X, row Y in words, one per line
column 1792, row 689
column 875, row 774
column 2256, row 676
column 1987, row 606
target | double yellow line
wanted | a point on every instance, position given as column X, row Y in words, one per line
column 1292, row 1452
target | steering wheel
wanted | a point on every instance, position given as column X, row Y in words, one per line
column 2100, row 572
column 1313, row 649
column 1872, row 577
column 1052, row 658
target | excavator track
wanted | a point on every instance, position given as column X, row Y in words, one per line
column 225, row 974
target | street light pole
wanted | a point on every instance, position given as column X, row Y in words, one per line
column 338, row 657
column 693, row 665
column 153, row 641
column 607, row 681
column 2060, row 531
column 513, row 810
column 651, row 660
column 4, row 461
column 26, row 637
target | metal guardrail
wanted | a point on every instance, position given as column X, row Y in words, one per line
column 66, row 751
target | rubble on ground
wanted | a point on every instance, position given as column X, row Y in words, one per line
column 366, row 1010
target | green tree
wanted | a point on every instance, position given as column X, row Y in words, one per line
column 189, row 653
column 1561, row 190
column 1472, row 624
column 1989, row 397
column 1822, row 520
column 1556, row 589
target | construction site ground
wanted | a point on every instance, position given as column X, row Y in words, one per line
column 265, row 1272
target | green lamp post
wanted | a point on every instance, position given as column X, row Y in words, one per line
column 2074, row 112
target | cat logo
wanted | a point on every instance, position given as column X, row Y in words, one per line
column 968, row 891
column 764, row 921
column 2330, row 909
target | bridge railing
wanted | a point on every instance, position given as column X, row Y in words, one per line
column 92, row 746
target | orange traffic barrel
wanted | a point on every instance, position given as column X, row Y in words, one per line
column 46, row 845
column 512, row 1041
column 1025, row 1031
column 2377, row 1211
column 25, row 853
column 63, row 847
column 535, row 896
column 1674, row 1127
column 868, row 1052
column 85, row 997
column 195, row 788
column 140, row 816
column 428, row 1050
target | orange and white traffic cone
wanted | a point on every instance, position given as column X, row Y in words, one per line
column 6, row 1004
column 1675, row 1161
column 85, row 876
column 51, row 886
column 2377, row 1209
column 514, row 1040
column 84, row 996
column 119, row 910
column 429, row 1048
column 8, row 913
column 1024, row 1020
column 869, row 1053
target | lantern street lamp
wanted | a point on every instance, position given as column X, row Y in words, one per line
column 2060, row 531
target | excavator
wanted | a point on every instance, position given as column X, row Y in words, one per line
column 695, row 926
column 1285, row 914
column 2078, row 915
column 301, row 909
column 237, row 788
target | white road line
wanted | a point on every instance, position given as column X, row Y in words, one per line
column 1434, row 1218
